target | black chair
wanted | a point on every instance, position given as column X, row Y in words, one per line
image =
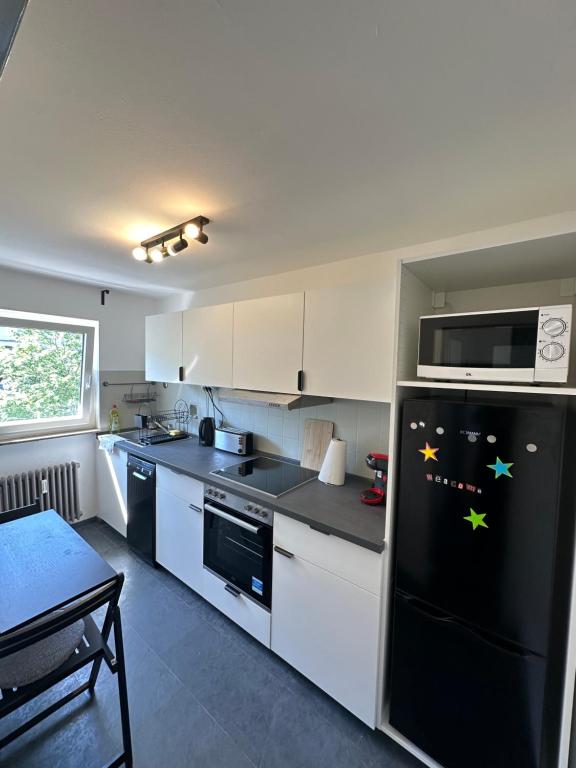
column 50, row 649
column 16, row 514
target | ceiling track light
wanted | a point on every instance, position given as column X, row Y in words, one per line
column 154, row 249
column 177, row 246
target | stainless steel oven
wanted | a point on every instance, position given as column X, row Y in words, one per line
column 238, row 544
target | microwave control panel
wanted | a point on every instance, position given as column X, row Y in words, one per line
column 553, row 345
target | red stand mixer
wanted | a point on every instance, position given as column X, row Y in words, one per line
column 377, row 493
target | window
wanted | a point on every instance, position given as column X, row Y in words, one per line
column 48, row 374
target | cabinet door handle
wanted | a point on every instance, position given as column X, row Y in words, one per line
column 181, row 373
column 195, row 508
column 283, row 552
column 233, row 591
column 300, row 381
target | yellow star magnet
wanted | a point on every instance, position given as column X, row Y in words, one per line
column 429, row 453
column 476, row 519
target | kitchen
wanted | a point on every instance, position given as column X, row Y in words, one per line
column 326, row 476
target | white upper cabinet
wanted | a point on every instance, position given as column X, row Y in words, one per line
column 348, row 341
column 207, row 345
column 268, row 343
column 164, row 347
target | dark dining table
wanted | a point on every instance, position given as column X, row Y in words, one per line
column 44, row 565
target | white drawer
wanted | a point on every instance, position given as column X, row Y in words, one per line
column 186, row 488
column 356, row 564
column 243, row 611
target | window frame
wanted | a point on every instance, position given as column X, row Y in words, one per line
column 52, row 427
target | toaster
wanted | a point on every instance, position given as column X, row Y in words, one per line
column 233, row 440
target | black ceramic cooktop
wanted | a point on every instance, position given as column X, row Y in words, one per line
column 266, row 475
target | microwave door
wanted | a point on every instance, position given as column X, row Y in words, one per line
column 497, row 346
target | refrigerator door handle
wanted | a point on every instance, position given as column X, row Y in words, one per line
column 419, row 605
column 498, row 643
column 437, row 615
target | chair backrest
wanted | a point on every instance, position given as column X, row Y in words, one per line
column 16, row 514
column 59, row 619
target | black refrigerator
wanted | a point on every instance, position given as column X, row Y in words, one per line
column 481, row 582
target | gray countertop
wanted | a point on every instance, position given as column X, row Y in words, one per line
column 335, row 510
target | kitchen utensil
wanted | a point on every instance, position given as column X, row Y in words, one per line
column 317, row 436
column 377, row 493
column 141, row 420
column 206, row 430
column 233, row 440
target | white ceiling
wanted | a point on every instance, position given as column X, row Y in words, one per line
column 308, row 130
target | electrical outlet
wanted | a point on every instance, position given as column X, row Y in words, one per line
column 44, row 486
column 439, row 299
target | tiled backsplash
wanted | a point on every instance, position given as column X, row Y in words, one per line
column 364, row 425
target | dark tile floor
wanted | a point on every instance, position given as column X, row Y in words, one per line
column 203, row 694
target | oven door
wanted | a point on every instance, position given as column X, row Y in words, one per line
column 239, row 550
column 483, row 346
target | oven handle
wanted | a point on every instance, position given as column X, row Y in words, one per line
column 232, row 519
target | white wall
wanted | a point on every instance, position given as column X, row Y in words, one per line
column 372, row 266
column 121, row 350
column 121, row 320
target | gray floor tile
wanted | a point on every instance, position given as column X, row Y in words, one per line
column 380, row 751
column 78, row 735
column 182, row 735
column 300, row 737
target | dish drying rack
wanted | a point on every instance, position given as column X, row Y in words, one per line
column 135, row 397
column 176, row 418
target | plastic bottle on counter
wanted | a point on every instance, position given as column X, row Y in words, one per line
column 114, row 419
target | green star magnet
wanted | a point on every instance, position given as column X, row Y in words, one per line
column 501, row 468
column 476, row 519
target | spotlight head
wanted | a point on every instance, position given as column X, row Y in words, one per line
column 139, row 253
column 158, row 253
column 192, row 230
column 202, row 238
column 177, row 246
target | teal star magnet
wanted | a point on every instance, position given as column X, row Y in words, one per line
column 501, row 468
column 476, row 519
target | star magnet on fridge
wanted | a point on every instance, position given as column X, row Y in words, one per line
column 476, row 519
column 429, row 453
column 501, row 468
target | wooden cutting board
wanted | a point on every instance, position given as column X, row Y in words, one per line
column 317, row 436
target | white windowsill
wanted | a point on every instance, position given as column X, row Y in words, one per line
column 47, row 436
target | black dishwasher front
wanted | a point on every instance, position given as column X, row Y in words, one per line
column 141, row 524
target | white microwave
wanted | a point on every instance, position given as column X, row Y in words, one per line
column 510, row 345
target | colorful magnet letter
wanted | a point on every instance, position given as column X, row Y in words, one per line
column 429, row 453
column 476, row 519
column 501, row 468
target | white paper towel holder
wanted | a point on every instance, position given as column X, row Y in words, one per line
column 333, row 470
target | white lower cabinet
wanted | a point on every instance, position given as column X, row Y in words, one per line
column 112, row 488
column 245, row 612
column 180, row 527
column 327, row 628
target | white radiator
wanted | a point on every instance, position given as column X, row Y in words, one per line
column 56, row 487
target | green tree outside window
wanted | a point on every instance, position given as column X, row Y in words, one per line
column 40, row 373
